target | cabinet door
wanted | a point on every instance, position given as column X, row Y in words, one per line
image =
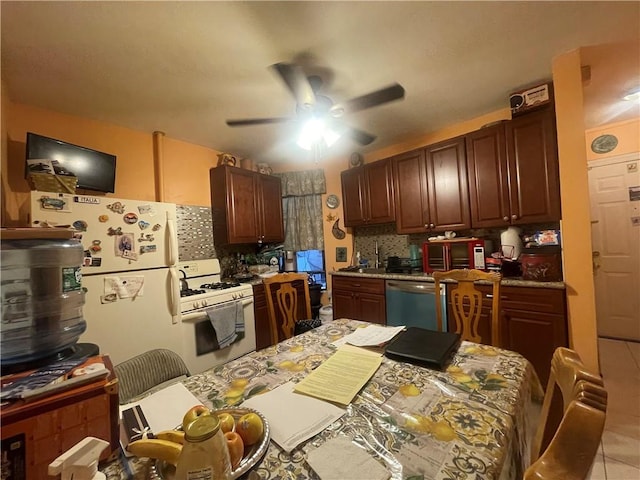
column 410, row 183
column 446, row 167
column 233, row 205
column 344, row 305
column 533, row 167
column 379, row 192
column 372, row 308
column 488, row 177
column 271, row 225
column 354, row 196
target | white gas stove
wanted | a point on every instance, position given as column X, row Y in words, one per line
column 204, row 290
column 205, row 287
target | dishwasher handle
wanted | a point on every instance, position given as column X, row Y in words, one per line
column 411, row 287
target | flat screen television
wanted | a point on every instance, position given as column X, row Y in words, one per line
column 94, row 170
column 312, row 262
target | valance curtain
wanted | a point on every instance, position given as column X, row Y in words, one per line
column 302, row 209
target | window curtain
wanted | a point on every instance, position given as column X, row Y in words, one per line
column 302, row 209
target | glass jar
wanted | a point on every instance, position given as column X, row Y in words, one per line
column 205, row 455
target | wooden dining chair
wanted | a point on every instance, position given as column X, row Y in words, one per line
column 575, row 442
column 466, row 303
column 282, row 302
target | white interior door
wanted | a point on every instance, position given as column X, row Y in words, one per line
column 615, row 230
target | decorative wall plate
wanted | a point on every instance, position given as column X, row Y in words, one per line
column 604, row 143
column 355, row 160
column 333, row 201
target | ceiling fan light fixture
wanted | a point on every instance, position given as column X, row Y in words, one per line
column 633, row 94
column 315, row 131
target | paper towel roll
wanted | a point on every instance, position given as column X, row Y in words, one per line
column 511, row 244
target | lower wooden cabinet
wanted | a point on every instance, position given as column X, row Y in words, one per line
column 359, row 299
column 533, row 323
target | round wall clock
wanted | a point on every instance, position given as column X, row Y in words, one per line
column 604, row 143
column 333, row 201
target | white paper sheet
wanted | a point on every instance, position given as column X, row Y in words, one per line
column 165, row 409
column 293, row 417
column 372, row 335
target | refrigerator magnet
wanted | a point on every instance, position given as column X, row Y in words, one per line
column 143, row 225
column 80, row 225
column 95, row 246
column 103, row 218
column 156, row 227
column 130, row 218
column 124, row 244
column 116, row 207
column 147, row 249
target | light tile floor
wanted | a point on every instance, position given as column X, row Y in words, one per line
column 619, row 454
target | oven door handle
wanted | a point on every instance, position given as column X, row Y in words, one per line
column 201, row 315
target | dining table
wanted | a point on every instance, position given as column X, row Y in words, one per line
column 472, row 419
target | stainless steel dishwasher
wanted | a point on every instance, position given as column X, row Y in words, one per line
column 413, row 304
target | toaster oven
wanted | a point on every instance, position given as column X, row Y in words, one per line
column 442, row 255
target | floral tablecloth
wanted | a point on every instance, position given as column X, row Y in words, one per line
column 473, row 420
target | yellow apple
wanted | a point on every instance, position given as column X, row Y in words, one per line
column 193, row 413
column 227, row 422
column 250, row 428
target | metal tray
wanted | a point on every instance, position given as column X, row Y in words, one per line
column 161, row 470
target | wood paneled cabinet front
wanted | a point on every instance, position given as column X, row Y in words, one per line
column 513, row 171
column 431, row 188
column 533, row 322
column 246, row 206
column 367, row 194
column 359, row 299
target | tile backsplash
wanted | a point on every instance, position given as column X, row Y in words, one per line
column 194, row 226
column 390, row 244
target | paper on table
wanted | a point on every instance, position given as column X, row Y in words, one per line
column 338, row 458
column 164, row 409
column 293, row 418
column 372, row 335
column 341, row 376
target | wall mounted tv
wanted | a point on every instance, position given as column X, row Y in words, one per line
column 94, row 170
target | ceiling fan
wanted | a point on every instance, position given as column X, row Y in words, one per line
column 312, row 105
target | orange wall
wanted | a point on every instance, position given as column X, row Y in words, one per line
column 574, row 192
column 627, row 133
column 182, row 163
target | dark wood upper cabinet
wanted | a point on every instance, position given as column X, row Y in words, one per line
column 246, row 206
column 513, row 172
column 431, row 188
column 367, row 194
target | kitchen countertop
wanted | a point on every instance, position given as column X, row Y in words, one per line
column 425, row 277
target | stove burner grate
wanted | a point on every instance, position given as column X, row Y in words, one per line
column 219, row 285
column 189, row 292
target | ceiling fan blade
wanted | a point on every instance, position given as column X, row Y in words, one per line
column 363, row 138
column 297, row 82
column 256, row 121
column 384, row 95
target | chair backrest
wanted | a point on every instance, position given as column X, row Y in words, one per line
column 573, row 447
column 466, row 303
column 148, row 370
column 285, row 306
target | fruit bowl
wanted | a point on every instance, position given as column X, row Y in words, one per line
column 161, row 470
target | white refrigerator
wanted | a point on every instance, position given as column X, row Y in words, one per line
column 132, row 301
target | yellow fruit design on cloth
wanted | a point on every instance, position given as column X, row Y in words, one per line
column 485, row 350
column 409, row 390
column 239, row 383
column 291, row 365
column 233, row 396
column 296, row 348
column 155, row 448
column 440, row 430
column 250, row 428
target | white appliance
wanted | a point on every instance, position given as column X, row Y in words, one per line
column 132, row 301
column 204, row 291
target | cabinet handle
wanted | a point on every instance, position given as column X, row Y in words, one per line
column 505, row 218
column 514, row 217
column 432, row 225
column 356, row 285
column 426, row 225
column 502, row 297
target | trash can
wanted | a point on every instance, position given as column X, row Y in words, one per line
column 326, row 314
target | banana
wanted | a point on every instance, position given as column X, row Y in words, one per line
column 155, row 448
column 176, row 436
